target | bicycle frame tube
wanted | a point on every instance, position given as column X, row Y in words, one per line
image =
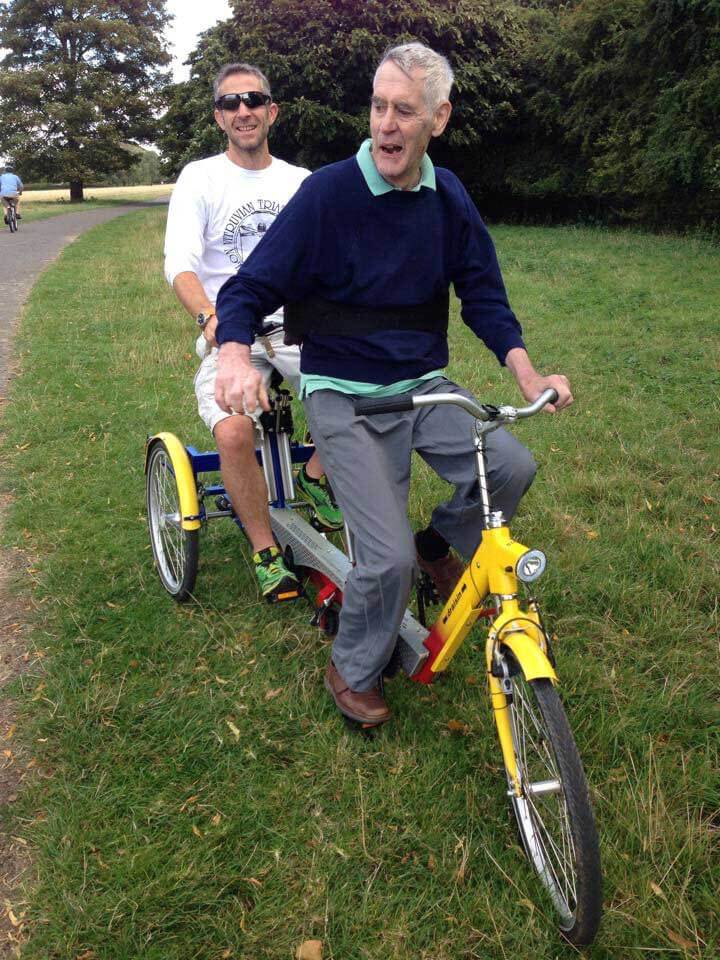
column 491, row 571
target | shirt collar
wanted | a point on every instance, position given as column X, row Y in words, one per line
column 377, row 185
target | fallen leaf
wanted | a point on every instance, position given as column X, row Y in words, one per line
column 12, row 918
column 196, row 831
column 431, row 864
column 457, row 726
column 269, row 696
column 658, row 891
column 216, row 820
column 592, row 534
column 310, row 950
column 708, row 500
column 648, row 504
column 233, row 729
column 681, row 941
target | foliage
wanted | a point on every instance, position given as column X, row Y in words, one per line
column 606, row 109
column 320, row 57
column 623, row 107
column 145, row 170
column 79, row 77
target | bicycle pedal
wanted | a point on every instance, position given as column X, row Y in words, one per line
column 222, row 502
column 285, row 596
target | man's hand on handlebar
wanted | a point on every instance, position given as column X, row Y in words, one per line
column 532, row 384
column 532, row 388
column 239, row 387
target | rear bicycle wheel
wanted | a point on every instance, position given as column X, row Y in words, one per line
column 553, row 810
column 12, row 219
column 175, row 550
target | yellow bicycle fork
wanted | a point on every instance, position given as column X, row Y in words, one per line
column 493, row 572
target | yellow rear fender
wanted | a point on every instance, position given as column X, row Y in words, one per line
column 184, row 477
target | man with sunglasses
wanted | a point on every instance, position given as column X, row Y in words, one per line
column 367, row 251
column 220, row 209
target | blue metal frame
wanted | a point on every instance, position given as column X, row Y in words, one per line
column 208, row 461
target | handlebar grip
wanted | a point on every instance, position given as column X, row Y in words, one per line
column 399, row 404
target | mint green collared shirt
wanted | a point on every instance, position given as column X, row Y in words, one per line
column 310, row 382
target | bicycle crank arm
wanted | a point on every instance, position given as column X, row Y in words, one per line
column 309, row 548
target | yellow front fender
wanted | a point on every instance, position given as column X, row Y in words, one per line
column 533, row 662
column 184, row 477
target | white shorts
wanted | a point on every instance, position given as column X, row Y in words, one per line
column 286, row 360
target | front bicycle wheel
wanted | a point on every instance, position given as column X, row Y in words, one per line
column 175, row 549
column 553, row 809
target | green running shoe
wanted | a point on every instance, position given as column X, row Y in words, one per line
column 319, row 494
column 277, row 583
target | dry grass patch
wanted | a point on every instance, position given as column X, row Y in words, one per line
column 152, row 192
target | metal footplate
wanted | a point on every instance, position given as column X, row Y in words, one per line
column 309, row 548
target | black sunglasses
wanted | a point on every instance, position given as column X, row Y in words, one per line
column 252, row 100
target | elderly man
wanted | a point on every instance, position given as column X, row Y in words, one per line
column 364, row 256
column 220, row 209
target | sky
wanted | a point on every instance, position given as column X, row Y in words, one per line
column 192, row 17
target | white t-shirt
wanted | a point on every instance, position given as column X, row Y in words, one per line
column 218, row 213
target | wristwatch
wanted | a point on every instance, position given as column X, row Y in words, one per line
column 204, row 317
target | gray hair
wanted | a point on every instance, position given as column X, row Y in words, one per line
column 232, row 68
column 416, row 56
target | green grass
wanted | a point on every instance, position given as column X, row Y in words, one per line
column 198, row 795
column 42, row 211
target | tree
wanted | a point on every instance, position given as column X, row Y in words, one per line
column 623, row 99
column 80, row 78
column 320, row 56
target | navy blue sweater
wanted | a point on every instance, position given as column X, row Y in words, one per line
column 334, row 239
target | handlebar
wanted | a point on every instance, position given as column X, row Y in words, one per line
column 481, row 411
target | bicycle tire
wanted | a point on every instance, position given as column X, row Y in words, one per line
column 12, row 219
column 555, row 817
column 175, row 550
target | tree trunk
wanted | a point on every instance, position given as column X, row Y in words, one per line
column 76, row 191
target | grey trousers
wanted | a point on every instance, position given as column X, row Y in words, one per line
column 367, row 460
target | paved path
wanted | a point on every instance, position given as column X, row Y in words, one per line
column 25, row 254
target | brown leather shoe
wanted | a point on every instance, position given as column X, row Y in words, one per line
column 444, row 573
column 367, row 708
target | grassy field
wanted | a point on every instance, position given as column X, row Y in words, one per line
column 196, row 794
column 40, row 204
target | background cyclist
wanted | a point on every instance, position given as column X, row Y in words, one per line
column 11, row 186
